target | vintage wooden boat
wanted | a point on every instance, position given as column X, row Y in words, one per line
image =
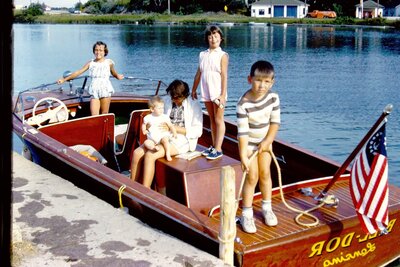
column 190, row 210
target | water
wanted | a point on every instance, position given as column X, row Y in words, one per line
column 333, row 82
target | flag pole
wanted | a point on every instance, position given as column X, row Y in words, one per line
column 353, row 154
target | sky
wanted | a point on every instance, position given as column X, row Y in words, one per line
column 51, row 3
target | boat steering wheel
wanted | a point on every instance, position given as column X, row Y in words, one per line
column 50, row 113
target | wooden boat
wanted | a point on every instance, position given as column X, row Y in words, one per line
column 190, row 210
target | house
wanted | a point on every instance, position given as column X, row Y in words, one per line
column 279, row 9
column 392, row 9
column 369, row 9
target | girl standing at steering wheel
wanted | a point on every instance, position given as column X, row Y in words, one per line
column 100, row 88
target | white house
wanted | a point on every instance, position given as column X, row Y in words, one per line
column 369, row 9
column 279, row 9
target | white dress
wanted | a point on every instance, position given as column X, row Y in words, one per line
column 155, row 133
column 100, row 73
column 210, row 67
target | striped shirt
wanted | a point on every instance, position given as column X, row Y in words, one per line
column 255, row 117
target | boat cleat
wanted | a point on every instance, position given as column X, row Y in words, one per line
column 331, row 201
column 307, row 191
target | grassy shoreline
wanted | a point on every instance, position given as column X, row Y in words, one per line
column 200, row 19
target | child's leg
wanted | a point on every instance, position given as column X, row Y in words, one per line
column 210, row 109
column 105, row 105
column 94, row 106
column 249, row 186
column 265, row 182
column 165, row 142
column 266, row 188
column 250, row 183
column 150, row 145
column 219, row 127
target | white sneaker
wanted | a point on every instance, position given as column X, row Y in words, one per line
column 248, row 224
column 270, row 218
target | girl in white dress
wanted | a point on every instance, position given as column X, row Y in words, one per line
column 100, row 88
column 212, row 75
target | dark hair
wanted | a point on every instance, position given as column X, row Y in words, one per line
column 105, row 47
column 263, row 67
column 178, row 88
column 210, row 30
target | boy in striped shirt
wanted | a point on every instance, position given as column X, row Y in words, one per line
column 258, row 120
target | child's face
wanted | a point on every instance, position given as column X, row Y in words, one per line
column 158, row 109
column 261, row 83
column 99, row 51
column 214, row 40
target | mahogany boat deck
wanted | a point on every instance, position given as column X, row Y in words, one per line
column 193, row 189
column 332, row 216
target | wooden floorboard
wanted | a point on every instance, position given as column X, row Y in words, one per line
column 287, row 225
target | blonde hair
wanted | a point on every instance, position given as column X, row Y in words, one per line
column 154, row 100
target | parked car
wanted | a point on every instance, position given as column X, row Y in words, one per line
column 321, row 14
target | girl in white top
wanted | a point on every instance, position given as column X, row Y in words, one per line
column 212, row 74
column 100, row 88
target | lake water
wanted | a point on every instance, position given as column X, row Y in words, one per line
column 333, row 82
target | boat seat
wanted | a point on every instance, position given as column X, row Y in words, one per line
column 195, row 183
column 96, row 131
column 133, row 137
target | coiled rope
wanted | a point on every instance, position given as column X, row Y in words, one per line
column 301, row 212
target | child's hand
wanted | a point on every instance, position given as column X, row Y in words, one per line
column 194, row 95
column 245, row 164
column 264, row 147
column 120, row 76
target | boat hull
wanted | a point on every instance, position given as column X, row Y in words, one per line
column 337, row 240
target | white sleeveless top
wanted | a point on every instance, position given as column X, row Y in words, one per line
column 100, row 74
column 210, row 67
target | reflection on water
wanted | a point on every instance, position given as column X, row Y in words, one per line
column 333, row 81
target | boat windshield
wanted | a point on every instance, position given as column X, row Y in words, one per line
column 78, row 86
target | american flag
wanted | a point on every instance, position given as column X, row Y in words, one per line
column 369, row 183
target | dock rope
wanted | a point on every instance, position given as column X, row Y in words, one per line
column 301, row 212
column 120, row 190
column 326, row 200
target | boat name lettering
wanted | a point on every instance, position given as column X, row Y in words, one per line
column 351, row 256
column 332, row 244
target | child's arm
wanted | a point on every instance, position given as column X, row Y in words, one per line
column 196, row 82
column 172, row 129
column 224, row 78
column 243, row 135
column 243, row 143
column 74, row 74
column 144, row 128
column 265, row 145
column 114, row 72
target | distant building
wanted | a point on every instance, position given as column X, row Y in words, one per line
column 392, row 9
column 369, row 9
column 279, row 9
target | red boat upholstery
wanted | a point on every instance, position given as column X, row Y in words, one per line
column 97, row 131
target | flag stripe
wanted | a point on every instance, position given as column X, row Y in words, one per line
column 369, row 184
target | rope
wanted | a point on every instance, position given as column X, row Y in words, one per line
column 301, row 212
column 120, row 190
column 230, row 240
